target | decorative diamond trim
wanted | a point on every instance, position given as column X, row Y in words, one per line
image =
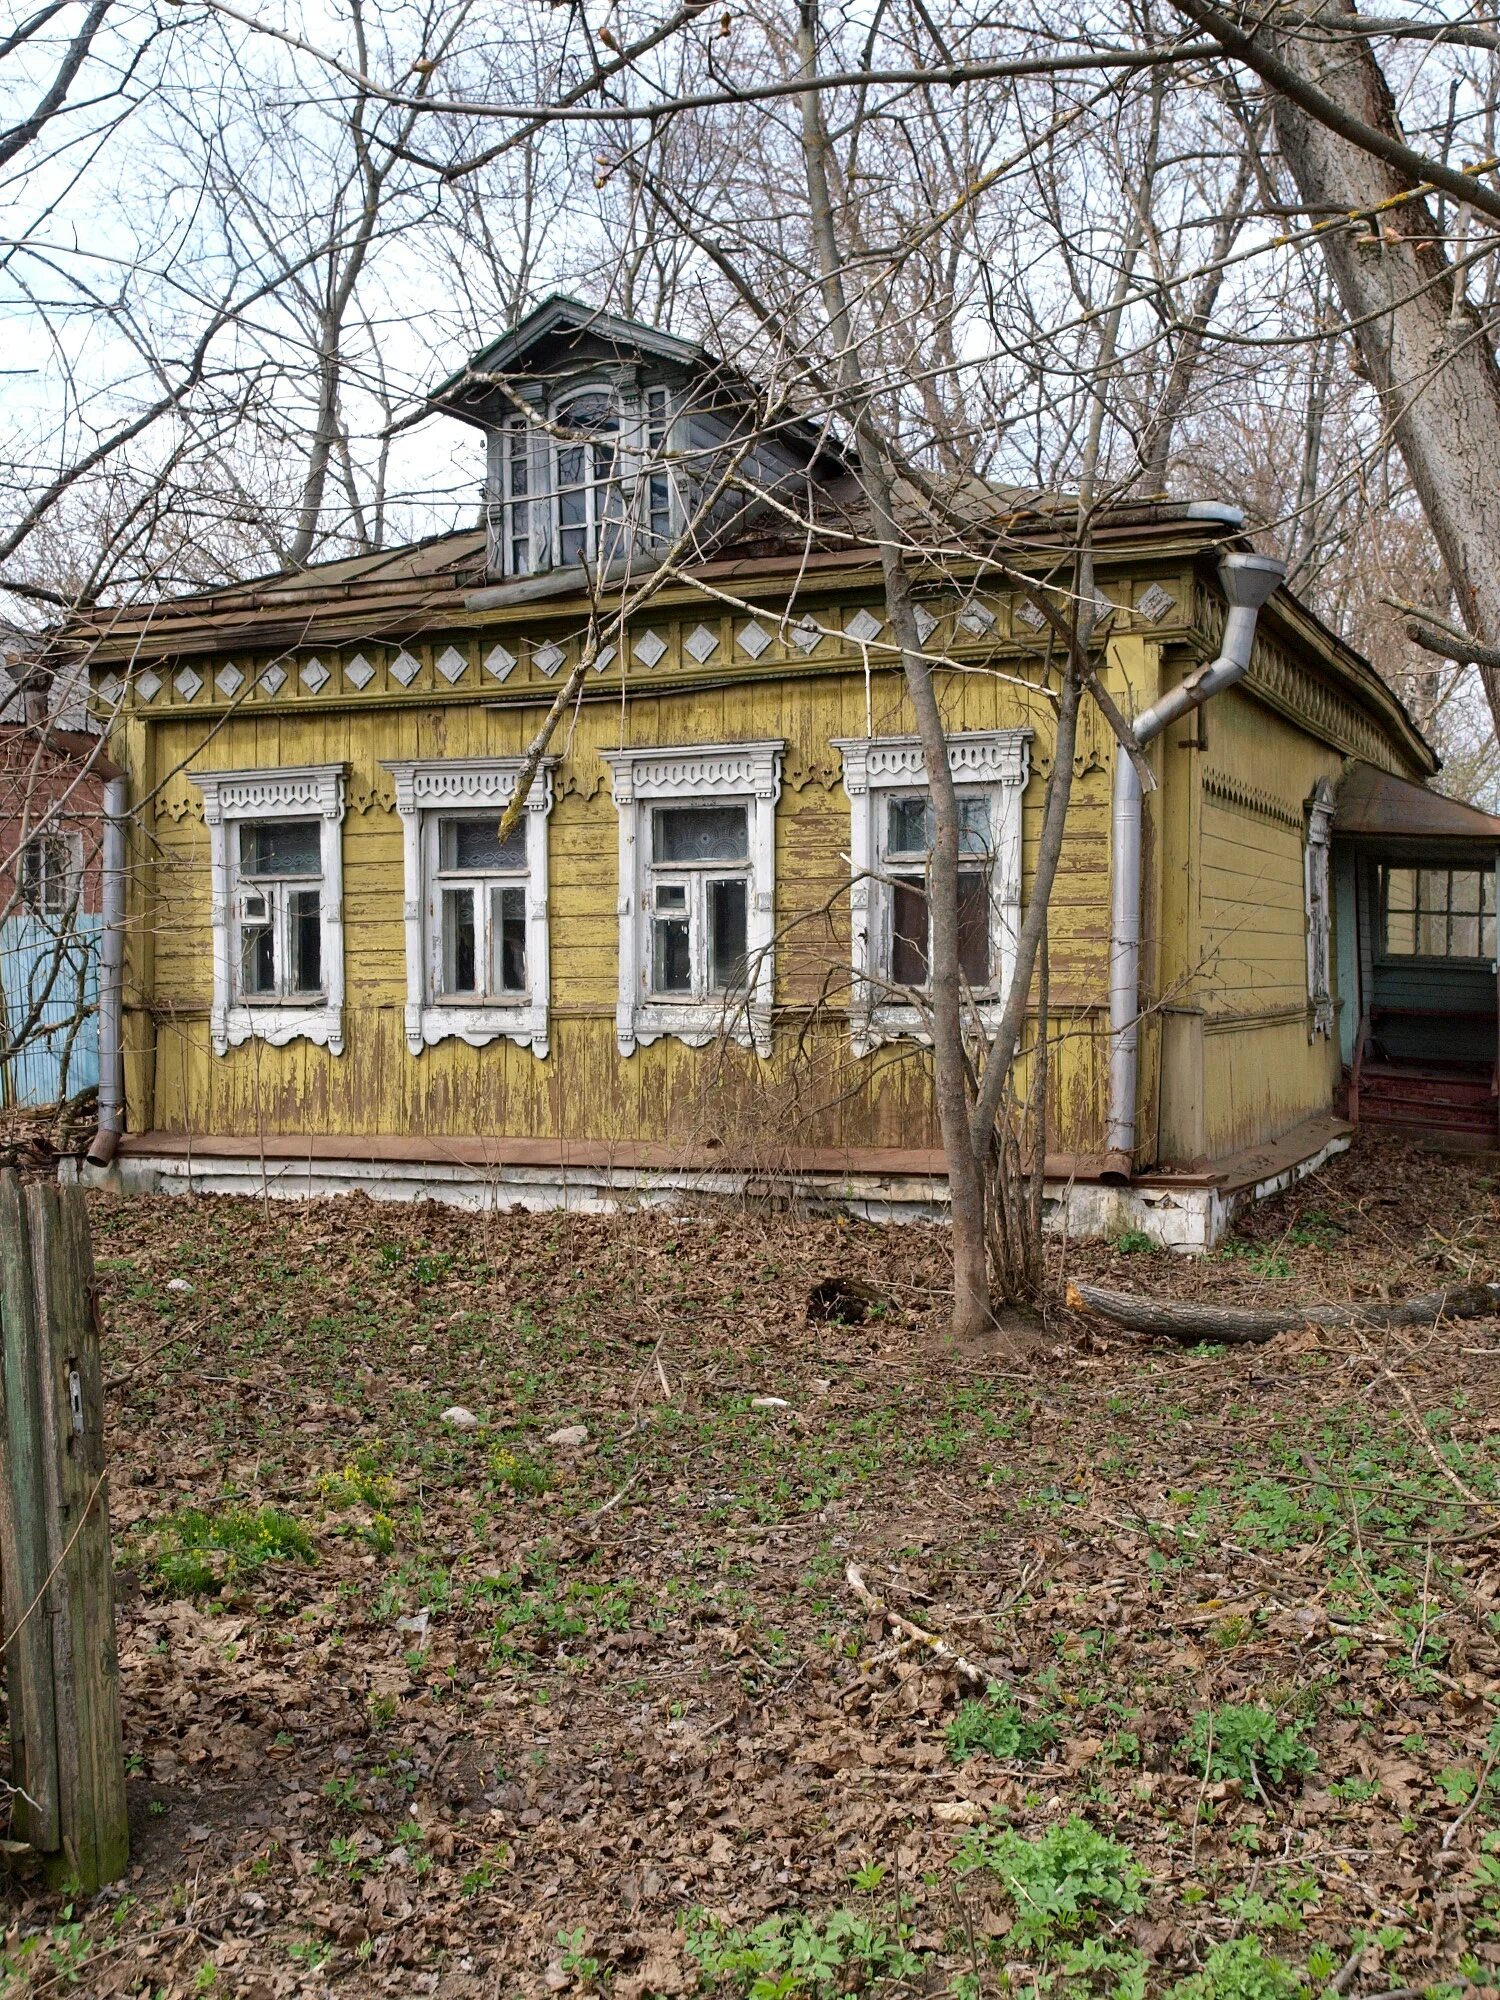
column 649, row 648
column 1104, row 608
column 700, row 642
column 451, row 664
column 1028, row 614
column 148, row 687
column 359, row 671
column 753, row 639
column 499, row 661
column 405, row 667
column 547, row 659
column 604, row 659
column 1154, row 603
column 110, row 689
column 273, row 680
column 315, row 676
column 864, row 626
column 806, row 635
column 976, row 618
column 926, row 621
column 229, row 680
column 187, row 683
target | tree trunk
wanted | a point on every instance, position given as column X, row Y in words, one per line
column 1422, row 348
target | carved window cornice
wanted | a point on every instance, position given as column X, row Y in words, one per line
column 750, row 769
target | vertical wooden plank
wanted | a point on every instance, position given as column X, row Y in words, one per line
column 23, row 1537
column 81, row 1596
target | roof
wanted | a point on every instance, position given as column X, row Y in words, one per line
column 561, row 315
column 1373, row 805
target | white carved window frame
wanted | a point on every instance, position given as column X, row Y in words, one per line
column 720, row 774
column 1318, row 904
column 301, row 791
column 425, row 790
column 992, row 763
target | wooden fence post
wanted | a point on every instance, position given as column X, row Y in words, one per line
column 56, row 1571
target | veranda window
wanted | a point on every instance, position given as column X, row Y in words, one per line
column 480, row 896
column 1438, row 912
column 905, row 858
column 699, row 886
column 280, row 895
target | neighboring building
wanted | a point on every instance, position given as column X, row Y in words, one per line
column 338, row 977
column 51, row 790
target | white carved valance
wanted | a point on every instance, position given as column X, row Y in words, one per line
column 699, row 771
column 979, row 757
column 292, row 793
column 489, row 781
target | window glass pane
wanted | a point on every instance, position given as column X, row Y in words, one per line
column 593, row 412
column 1464, row 942
column 473, row 846
column 1487, row 889
column 974, row 927
column 1432, row 936
column 44, row 873
column 1487, row 937
column 671, row 958
column 908, row 826
column 458, row 940
column 1464, row 892
column 1400, row 889
column 727, row 906
column 281, row 847
column 508, row 940
column 974, row 826
column 700, row 833
column 305, row 937
column 257, row 959
column 520, row 456
column 671, row 895
column 1400, row 933
column 1432, row 889
column 909, row 932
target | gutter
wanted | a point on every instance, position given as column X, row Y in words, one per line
column 111, row 977
column 1247, row 582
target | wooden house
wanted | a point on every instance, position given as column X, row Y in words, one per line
column 698, row 960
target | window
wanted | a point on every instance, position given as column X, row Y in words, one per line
column 515, row 475
column 891, row 831
column 590, row 499
column 476, row 907
column 1438, row 912
column 697, row 859
column 47, row 874
column 658, row 478
column 905, row 953
column 279, row 946
column 276, row 866
column 1320, row 811
column 699, row 908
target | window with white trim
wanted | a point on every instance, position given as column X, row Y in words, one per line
column 477, row 948
column 1316, row 885
column 276, row 866
column 891, row 833
column 697, row 892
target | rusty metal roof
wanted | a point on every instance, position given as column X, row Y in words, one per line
column 1374, row 805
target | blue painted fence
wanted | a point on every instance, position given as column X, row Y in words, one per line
column 62, row 1056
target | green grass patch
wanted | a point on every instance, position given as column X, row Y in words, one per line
column 1245, row 1741
column 996, row 1726
column 196, row 1552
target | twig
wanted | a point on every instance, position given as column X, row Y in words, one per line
column 965, row 1669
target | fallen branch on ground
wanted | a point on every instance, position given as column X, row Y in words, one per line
column 903, row 1627
column 1171, row 1319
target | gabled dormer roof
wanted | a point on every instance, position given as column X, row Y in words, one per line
column 563, row 333
column 563, row 339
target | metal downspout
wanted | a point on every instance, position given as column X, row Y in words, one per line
column 111, row 977
column 1247, row 582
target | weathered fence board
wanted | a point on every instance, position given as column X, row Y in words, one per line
column 62, row 1663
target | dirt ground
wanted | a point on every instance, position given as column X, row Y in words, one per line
column 582, row 1699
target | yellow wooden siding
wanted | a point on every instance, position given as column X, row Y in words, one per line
column 1261, row 1072
column 812, row 1091
column 1225, row 1061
